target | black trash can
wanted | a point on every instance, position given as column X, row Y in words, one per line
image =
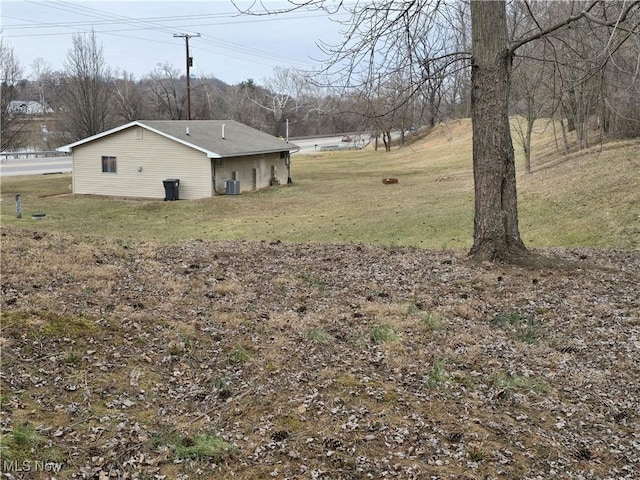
column 171, row 189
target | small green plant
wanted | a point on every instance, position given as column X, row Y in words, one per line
column 381, row 333
column 240, row 355
column 23, row 443
column 5, row 398
column 412, row 309
column 312, row 280
column 529, row 332
column 271, row 366
column 188, row 341
column 432, row 321
column 514, row 382
column 221, row 383
column 317, row 334
column 505, row 320
column 73, row 358
column 522, row 328
column 208, row 446
column 163, row 438
column 66, row 326
column 437, row 375
column 26, row 436
column 476, row 454
column 203, row 447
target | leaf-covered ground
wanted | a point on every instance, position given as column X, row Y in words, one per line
column 271, row 360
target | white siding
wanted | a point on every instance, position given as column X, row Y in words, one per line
column 244, row 166
column 143, row 162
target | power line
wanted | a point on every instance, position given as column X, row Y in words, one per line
column 33, row 24
column 161, row 24
column 148, row 23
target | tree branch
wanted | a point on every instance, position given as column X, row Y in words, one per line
column 574, row 18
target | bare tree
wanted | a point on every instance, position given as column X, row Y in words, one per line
column 532, row 68
column 281, row 96
column 209, row 100
column 381, row 39
column 44, row 90
column 13, row 121
column 579, row 68
column 388, row 108
column 42, row 72
column 85, row 89
column 529, row 97
column 583, row 57
column 496, row 230
column 620, row 102
column 241, row 108
column 452, row 84
column 425, row 47
column 129, row 103
column 167, row 94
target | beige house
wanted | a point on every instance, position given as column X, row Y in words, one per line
column 207, row 157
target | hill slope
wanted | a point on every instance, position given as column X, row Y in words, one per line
column 275, row 360
column 589, row 198
column 583, row 198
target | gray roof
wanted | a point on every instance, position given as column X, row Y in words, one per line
column 215, row 138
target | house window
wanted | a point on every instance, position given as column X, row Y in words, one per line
column 109, row 164
column 218, row 162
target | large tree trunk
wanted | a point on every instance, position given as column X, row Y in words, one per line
column 496, row 235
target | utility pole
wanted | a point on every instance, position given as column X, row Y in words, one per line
column 189, row 65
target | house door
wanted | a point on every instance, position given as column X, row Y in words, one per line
column 255, row 178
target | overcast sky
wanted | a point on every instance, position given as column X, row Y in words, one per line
column 137, row 35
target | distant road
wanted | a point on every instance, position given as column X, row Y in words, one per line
column 310, row 145
column 48, row 165
column 34, row 166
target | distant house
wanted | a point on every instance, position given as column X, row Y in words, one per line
column 29, row 107
column 206, row 156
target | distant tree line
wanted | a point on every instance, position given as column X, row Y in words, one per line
column 88, row 97
column 585, row 78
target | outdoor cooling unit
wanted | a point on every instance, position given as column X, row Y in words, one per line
column 232, row 187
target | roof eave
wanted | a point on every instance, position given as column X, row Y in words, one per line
column 262, row 152
column 208, row 153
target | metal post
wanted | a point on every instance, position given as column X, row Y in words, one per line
column 18, row 206
column 189, row 64
column 186, row 42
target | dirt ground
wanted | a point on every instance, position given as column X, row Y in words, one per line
column 322, row 361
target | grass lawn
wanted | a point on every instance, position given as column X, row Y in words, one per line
column 584, row 199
